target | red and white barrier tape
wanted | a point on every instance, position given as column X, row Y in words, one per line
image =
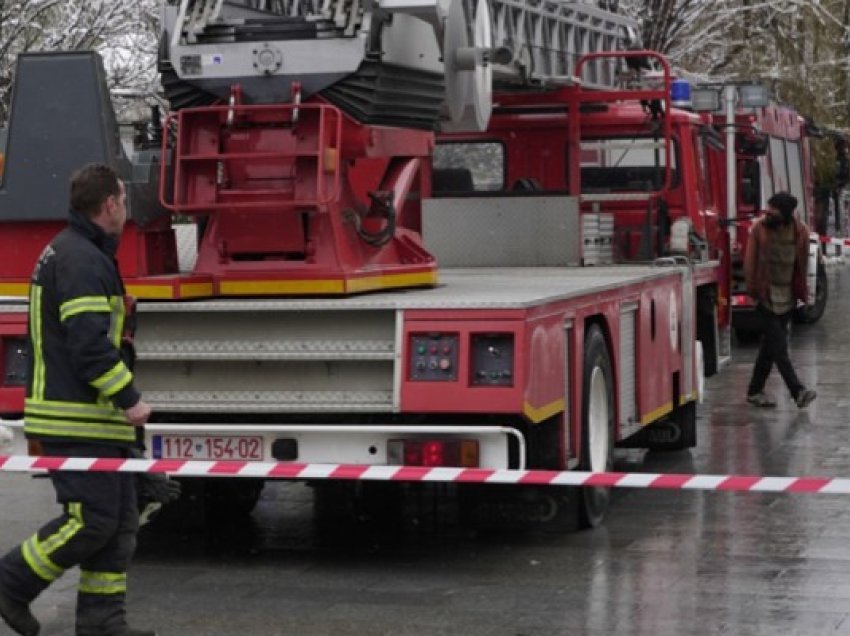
column 831, row 240
column 282, row 470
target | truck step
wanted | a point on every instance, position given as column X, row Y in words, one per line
column 270, row 401
column 271, row 350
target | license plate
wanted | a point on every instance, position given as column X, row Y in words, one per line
column 208, row 447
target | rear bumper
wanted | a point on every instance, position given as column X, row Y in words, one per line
column 326, row 444
column 350, row 444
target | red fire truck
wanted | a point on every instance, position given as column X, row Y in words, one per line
column 574, row 214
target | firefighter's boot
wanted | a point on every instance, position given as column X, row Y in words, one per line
column 126, row 631
column 18, row 616
column 104, row 615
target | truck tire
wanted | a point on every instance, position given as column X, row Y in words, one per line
column 342, row 504
column 207, row 502
column 812, row 313
column 232, row 498
column 597, row 426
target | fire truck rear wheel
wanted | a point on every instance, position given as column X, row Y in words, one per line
column 233, row 498
column 210, row 500
column 597, row 449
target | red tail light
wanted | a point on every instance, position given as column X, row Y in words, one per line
column 742, row 300
column 433, row 452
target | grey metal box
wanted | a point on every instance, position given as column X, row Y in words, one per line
column 504, row 231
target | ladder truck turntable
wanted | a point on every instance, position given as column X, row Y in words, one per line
column 311, row 147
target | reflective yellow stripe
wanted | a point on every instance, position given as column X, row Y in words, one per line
column 14, row 289
column 38, row 561
column 102, row 582
column 37, row 342
column 194, row 290
column 69, row 428
column 386, row 281
column 67, row 531
column 113, row 380
column 51, row 408
column 326, row 286
column 538, row 414
column 83, row 304
column 157, row 292
column 657, row 414
column 264, row 287
column 116, row 320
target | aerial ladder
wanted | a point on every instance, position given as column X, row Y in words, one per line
column 298, row 135
column 411, row 63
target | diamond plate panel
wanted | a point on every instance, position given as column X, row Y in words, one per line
column 270, row 401
column 186, row 237
column 271, row 350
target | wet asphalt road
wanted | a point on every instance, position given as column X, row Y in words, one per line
column 664, row 563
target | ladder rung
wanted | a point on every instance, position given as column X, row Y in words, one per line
column 225, row 156
column 638, row 144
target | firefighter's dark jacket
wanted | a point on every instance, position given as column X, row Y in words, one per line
column 78, row 385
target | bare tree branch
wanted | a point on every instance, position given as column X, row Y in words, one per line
column 123, row 31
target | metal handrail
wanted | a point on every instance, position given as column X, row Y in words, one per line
column 323, row 197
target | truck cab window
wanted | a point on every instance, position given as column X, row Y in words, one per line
column 625, row 164
column 750, row 183
column 795, row 177
column 778, row 164
column 468, row 167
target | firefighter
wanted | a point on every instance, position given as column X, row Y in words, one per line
column 81, row 402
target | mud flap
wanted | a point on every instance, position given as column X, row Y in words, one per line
column 676, row 432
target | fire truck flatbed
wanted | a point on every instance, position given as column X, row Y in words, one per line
column 466, row 288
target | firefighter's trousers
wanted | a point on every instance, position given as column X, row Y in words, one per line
column 97, row 531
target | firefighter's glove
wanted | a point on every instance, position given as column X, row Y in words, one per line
column 158, row 487
column 148, row 512
column 155, row 491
